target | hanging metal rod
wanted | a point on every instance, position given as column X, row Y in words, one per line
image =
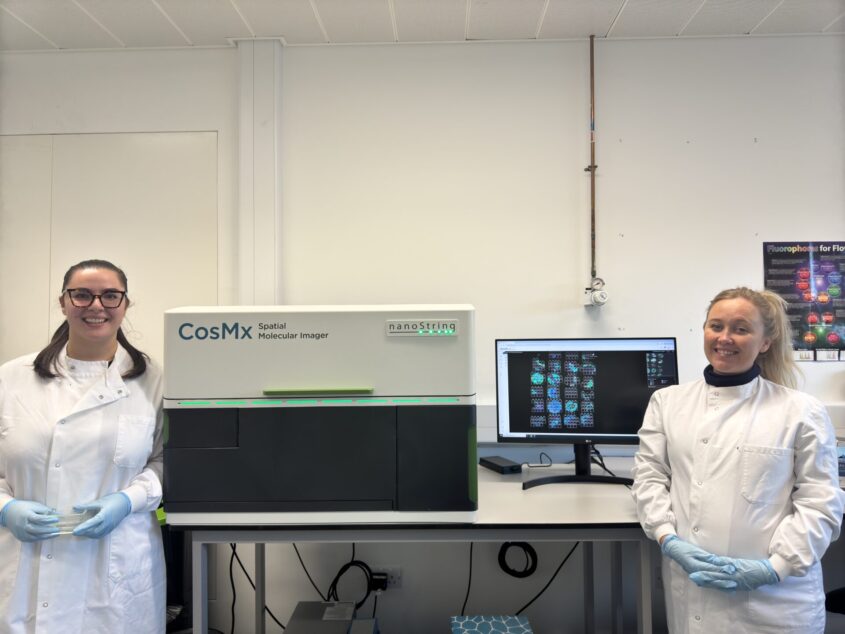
column 591, row 168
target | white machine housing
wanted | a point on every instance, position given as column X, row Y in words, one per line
column 320, row 414
column 241, row 351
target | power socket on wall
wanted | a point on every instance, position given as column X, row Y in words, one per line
column 394, row 575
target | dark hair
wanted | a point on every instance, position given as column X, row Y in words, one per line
column 45, row 362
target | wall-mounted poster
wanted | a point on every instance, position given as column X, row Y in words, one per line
column 808, row 275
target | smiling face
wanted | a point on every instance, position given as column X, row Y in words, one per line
column 734, row 335
column 93, row 329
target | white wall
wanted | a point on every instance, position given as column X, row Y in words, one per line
column 710, row 148
column 134, row 91
column 122, row 197
column 439, row 174
column 453, row 173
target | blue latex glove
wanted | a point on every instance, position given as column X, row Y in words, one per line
column 691, row 558
column 749, row 574
column 111, row 509
column 29, row 521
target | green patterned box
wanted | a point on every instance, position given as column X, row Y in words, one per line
column 490, row 625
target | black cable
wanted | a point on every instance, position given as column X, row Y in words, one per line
column 599, row 460
column 307, row 574
column 248, row 578
column 375, row 603
column 469, row 580
column 537, row 596
column 368, row 574
column 232, row 583
column 542, row 463
column 530, row 559
column 332, row 593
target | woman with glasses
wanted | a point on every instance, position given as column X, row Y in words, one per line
column 80, row 472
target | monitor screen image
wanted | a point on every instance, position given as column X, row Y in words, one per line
column 579, row 391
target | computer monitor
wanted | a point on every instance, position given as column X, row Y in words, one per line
column 579, row 391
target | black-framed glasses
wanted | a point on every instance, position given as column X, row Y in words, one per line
column 83, row 297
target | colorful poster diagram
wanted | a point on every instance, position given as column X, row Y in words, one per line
column 808, row 275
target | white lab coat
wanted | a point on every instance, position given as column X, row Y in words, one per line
column 62, row 444
column 750, row 472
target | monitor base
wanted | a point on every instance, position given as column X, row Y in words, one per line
column 596, row 479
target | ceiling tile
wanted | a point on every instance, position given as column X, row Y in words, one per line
column 138, row 23
column 802, row 16
column 837, row 26
column 729, row 17
column 504, row 19
column 62, row 21
column 206, row 22
column 579, row 18
column 16, row 36
column 293, row 20
column 431, row 20
column 93, row 24
column 654, row 18
column 359, row 21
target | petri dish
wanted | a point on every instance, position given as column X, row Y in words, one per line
column 68, row 521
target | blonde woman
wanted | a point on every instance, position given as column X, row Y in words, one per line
column 736, row 476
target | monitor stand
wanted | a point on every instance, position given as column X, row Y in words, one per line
column 582, row 472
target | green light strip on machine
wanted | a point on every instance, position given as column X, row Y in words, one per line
column 327, row 391
column 331, row 401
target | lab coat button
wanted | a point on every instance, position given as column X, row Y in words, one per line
column 57, row 465
column 698, row 482
column 704, row 441
column 697, row 618
column 695, row 529
column 49, row 556
column 100, row 397
column 44, row 605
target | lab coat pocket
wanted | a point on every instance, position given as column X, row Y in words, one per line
column 766, row 474
column 134, row 440
column 130, row 562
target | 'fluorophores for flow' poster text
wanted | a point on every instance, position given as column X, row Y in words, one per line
column 808, row 275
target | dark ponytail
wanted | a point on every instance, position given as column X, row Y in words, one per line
column 139, row 359
column 45, row 362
